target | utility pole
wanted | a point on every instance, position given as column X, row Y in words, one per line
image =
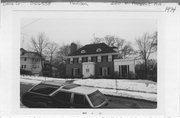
column 94, row 36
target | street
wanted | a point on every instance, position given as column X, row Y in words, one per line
column 122, row 101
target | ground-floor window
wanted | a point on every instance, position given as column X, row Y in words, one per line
column 75, row 71
column 23, row 66
column 124, row 71
column 104, row 71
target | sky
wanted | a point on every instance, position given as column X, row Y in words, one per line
column 67, row 30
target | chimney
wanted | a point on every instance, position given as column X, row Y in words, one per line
column 73, row 47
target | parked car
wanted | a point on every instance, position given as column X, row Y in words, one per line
column 63, row 95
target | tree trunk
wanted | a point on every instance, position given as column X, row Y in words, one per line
column 145, row 68
column 42, row 66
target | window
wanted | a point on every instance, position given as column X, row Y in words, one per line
column 21, row 66
column 80, row 99
column 24, row 66
column 75, row 60
column 94, row 59
column 71, row 86
column 104, row 58
column 114, row 57
column 25, row 59
column 98, row 50
column 104, row 71
column 64, row 96
column 87, row 70
column 84, row 59
column 97, row 98
column 75, row 71
column 124, row 71
column 44, row 89
column 83, row 51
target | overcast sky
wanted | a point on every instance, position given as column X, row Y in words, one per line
column 67, row 30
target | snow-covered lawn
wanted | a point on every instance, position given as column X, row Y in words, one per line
column 40, row 78
column 130, row 85
column 139, row 89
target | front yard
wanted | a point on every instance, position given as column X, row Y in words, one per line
column 139, row 89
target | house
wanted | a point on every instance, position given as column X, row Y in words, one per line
column 30, row 61
column 97, row 60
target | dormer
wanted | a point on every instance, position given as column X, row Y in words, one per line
column 98, row 50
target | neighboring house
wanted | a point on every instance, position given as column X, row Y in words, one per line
column 97, row 60
column 30, row 61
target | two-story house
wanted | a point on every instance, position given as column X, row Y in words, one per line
column 98, row 60
column 30, row 61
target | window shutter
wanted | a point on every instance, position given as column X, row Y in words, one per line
column 128, row 70
column 100, row 71
column 78, row 71
column 72, row 71
column 108, row 71
column 119, row 71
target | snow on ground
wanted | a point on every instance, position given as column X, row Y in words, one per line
column 130, row 94
column 130, row 85
column 29, row 81
column 40, row 78
column 139, row 89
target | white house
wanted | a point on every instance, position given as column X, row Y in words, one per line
column 30, row 61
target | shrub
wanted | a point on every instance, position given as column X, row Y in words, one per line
column 25, row 72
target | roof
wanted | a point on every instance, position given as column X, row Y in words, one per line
column 22, row 49
column 55, row 82
column 75, row 88
column 92, row 49
column 30, row 54
column 83, row 90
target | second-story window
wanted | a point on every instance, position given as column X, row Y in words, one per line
column 83, row 51
column 94, row 59
column 75, row 60
column 84, row 59
column 25, row 59
column 114, row 57
column 98, row 50
column 104, row 58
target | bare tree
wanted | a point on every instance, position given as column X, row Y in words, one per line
column 126, row 51
column 97, row 40
column 51, row 49
column 147, row 44
column 110, row 40
column 124, row 48
column 63, row 51
column 39, row 45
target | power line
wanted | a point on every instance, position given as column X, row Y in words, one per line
column 30, row 23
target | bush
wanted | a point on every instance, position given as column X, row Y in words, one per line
column 151, row 71
column 25, row 72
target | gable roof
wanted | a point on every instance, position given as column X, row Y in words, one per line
column 92, row 49
column 26, row 53
column 31, row 54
